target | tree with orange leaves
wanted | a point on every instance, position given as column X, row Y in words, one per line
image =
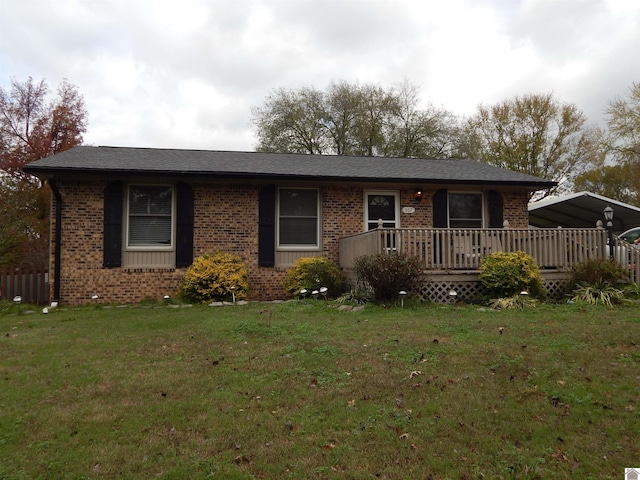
column 32, row 126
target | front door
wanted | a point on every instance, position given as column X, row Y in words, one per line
column 384, row 206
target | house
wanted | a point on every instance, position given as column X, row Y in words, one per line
column 126, row 222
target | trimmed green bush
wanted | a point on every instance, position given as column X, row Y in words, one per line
column 388, row 274
column 215, row 277
column 505, row 274
column 313, row 273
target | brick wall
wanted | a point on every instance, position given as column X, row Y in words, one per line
column 515, row 208
column 226, row 219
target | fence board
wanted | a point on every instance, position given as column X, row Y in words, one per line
column 31, row 284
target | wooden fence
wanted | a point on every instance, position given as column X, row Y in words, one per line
column 30, row 284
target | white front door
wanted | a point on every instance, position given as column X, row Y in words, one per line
column 384, row 205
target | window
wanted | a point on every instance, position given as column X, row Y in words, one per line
column 465, row 210
column 381, row 205
column 149, row 214
column 298, row 218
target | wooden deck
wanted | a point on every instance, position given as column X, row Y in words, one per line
column 455, row 251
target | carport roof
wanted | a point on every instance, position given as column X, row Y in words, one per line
column 582, row 210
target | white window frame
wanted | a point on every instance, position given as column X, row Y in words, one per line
column 171, row 245
column 308, row 247
column 467, row 192
column 394, row 193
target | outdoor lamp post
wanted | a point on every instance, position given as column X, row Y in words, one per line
column 608, row 216
column 403, row 295
column 323, row 292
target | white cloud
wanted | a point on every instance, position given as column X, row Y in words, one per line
column 186, row 74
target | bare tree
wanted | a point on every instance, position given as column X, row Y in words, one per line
column 353, row 119
column 533, row 134
column 619, row 176
column 291, row 121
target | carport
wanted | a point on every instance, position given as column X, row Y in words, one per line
column 582, row 210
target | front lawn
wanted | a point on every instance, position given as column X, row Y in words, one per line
column 301, row 390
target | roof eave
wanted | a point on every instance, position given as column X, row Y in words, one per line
column 48, row 172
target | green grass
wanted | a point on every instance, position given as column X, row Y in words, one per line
column 201, row 392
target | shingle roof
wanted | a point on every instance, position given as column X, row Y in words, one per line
column 125, row 160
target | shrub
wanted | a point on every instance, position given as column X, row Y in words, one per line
column 387, row 274
column 595, row 281
column 597, row 272
column 505, row 274
column 312, row 273
column 215, row 277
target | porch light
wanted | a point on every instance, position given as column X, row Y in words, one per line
column 402, row 294
column 418, row 195
column 608, row 216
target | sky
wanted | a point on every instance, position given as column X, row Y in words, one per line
column 187, row 73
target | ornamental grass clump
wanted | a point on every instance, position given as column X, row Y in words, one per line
column 505, row 274
column 314, row 273
column 215, row 277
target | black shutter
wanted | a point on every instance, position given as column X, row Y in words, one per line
column 112, row 225
column 495, row 209
column 440, row 209
column 184, row 225
column 267, row 227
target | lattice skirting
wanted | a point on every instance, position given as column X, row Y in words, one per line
column 437, row 288
column 468, row 289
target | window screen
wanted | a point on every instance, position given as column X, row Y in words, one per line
column 465, row 210
column 298, row 217
column 150, row 216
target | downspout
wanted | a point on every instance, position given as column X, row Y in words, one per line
column 57, row 240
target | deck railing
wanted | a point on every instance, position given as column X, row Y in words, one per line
column 462, row 249
column 629, row 257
